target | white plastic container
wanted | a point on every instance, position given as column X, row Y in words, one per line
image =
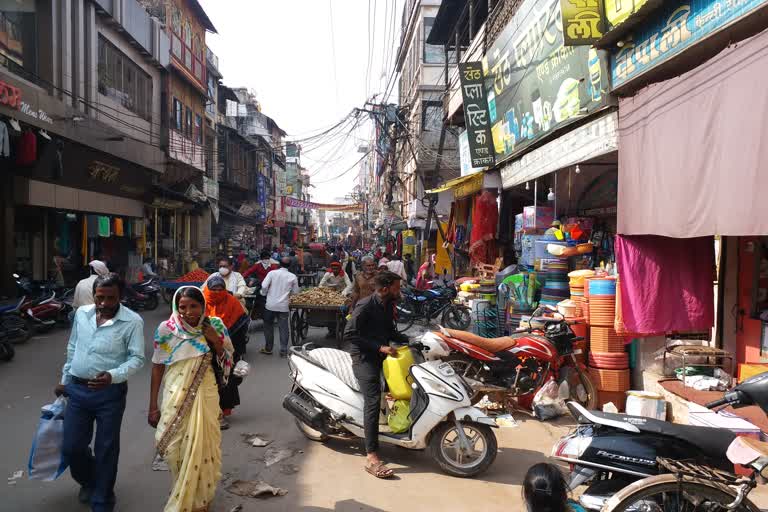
column 645, row 403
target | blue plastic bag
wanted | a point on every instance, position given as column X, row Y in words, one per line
column 46, row 461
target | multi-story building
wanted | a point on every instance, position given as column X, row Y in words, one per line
column 430, row 152
column 80, row 97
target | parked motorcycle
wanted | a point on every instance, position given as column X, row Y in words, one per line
column 519, row 365
column 326, row 400
column 633, row 463
column 6, row 347
column 44, row 314
column 428, row 305
column 13, row 326
column 144, row 295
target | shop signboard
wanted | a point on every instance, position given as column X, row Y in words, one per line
column 675, row 28
column 582, row 21
column 476, row 114
column 537, row 85
column 261, row 197
column 464, row 156
column 210, row 188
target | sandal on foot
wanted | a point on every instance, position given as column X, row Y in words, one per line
column 379, row 470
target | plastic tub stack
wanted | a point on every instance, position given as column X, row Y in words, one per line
column 608, row 361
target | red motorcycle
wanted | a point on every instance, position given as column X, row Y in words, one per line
column 519, row 365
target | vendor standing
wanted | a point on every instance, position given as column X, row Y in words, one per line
column 363, row 286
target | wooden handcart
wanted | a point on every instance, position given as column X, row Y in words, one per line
column 305, row 315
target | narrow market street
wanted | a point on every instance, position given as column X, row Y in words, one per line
column 317, row 478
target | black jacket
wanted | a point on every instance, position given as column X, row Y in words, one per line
column 372, row 326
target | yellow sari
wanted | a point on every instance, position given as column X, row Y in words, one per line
column 188, row 435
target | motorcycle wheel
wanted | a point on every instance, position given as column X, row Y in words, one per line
column 151, row 303
column 574, row 376
column 464, row 366
column 457, row 317
column 663, row 492
column 404, row 320
column 444, row 448
column 6, row 351
column 22, row 336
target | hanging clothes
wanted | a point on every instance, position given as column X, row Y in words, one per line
column 119, row 231
column 666, row 283
column 27, row 149
column 104, row 227
column 5, row 146
column 84, row 241
column 92, row 224
column 485, row 217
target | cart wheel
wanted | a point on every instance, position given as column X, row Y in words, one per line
column 295, row 340
column 303, row 326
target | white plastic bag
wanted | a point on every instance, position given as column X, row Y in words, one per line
column 46, row 461
column 241, row 369
column 547, row 403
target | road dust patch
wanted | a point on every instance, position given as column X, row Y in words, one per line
column 255, row 489
column 256, row 439
column 289, row 469
column 274, row 455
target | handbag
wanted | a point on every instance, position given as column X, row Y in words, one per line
column 46, row 461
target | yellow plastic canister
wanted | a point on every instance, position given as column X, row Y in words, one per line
column 396, row 373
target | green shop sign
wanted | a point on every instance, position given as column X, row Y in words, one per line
column 535, row 83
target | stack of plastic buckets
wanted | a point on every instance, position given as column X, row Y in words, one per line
column 608, row 361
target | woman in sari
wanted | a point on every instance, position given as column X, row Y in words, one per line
column 219, row 303
column 192, row 358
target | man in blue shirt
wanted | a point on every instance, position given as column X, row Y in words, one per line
column 105, row 348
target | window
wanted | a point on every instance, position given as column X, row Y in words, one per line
column 188, row 123
column 433, row 54
column 178, row 113
column 198, row 129
column 18, row 37
column 432, row 116
column 122, row 80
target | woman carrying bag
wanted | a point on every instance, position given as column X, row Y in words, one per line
column 221, row 304
column 192, row 358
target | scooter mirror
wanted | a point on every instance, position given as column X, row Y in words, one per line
column 16, row 276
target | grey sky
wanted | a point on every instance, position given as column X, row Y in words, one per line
column 283, row 50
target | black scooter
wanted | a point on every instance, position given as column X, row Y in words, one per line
column 609, row 451
column 144, row 295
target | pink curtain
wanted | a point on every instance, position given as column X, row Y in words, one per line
column 485, row 217
column 666, row 283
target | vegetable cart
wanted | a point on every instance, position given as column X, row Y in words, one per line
column 168, row 288
column 305, row 315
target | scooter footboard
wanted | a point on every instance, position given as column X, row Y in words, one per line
column 474, row 415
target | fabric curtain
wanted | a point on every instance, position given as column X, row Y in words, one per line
column 693, row 150
column 666, row 283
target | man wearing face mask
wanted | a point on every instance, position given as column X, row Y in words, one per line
column 234, row 281
column 261, row 268
column 105, row 348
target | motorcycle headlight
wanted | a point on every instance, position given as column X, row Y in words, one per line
column 435, row 387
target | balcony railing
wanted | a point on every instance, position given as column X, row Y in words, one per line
column 188, row 59
column 212, row 58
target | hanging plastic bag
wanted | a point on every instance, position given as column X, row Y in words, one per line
column 46, row 461
column 547, row 403
column 398, row 419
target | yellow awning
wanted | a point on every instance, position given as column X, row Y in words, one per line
column 462, row 187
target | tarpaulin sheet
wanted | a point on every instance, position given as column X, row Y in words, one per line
column 693, row 149
column 666, row 283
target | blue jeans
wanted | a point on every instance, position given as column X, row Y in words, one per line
column 270, row 317
column 98, row 470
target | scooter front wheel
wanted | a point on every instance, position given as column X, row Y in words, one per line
column 463, row 454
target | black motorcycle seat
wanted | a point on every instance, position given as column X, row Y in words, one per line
column 713, row 442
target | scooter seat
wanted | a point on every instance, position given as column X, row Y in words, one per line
column 338, row 363
column 712, row 442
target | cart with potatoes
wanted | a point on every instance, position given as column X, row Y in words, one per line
column 317, row 307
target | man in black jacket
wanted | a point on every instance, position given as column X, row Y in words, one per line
column 369, row 332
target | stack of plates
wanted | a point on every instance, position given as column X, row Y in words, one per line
column 602, row 310
column 605, row 339
column 556, row 284
column 610, row 380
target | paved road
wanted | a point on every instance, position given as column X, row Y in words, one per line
column 318, row 478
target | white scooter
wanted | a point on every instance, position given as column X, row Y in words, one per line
column 326, row 401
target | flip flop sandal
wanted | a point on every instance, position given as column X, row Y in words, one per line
column 380, row 470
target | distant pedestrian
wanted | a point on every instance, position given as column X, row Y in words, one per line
column 192, row 360
column 106, row 347
column 262, row 267
column 83, row 295
column 278, row 287
column 362, row 285
column 410, row 271
column 234, row 280
column 396, row 266
column 295, row 267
